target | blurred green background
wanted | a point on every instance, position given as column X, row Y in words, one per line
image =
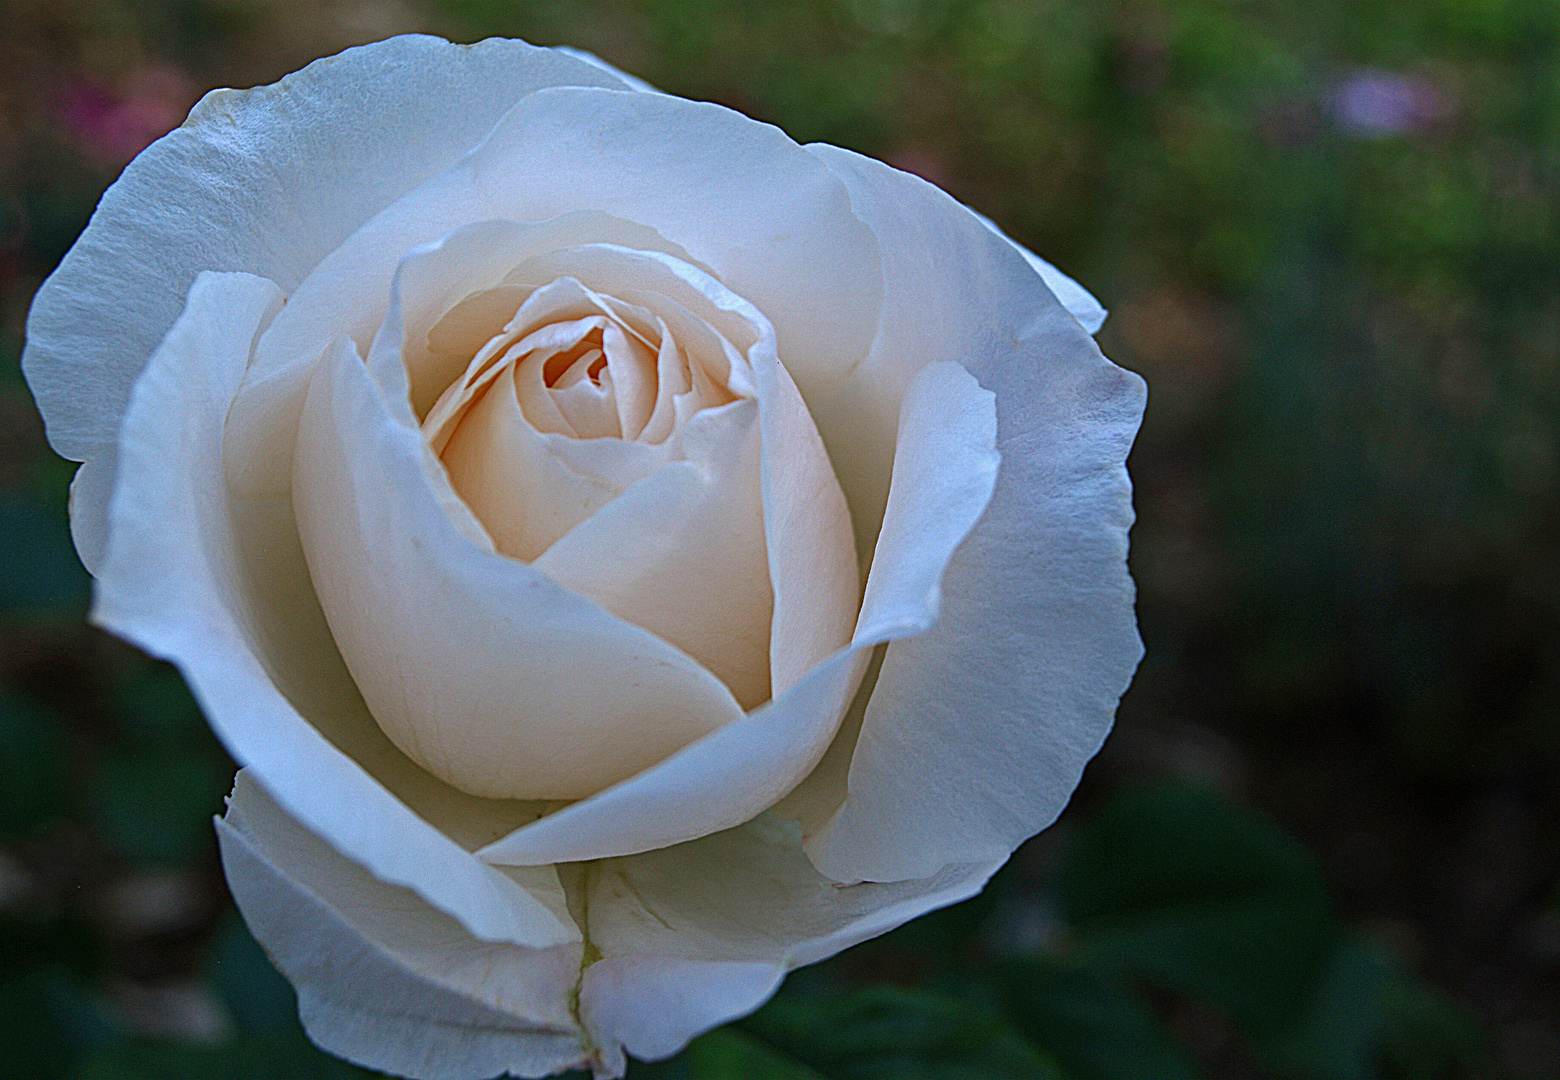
column 1322, row 842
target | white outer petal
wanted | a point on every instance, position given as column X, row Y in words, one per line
column 698, row 934
column 689, row 937
column 1074, row 297
column 266, row 181
column 383, row 979
column 168, row 583
column 978, row 730
column 1078, row 301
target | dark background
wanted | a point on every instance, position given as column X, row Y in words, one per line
column 1322, row 842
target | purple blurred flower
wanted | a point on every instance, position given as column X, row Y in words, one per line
column 1371, row 103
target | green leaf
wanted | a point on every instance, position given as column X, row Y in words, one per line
column 1338, row 1036
column 1428, row 1036
column 33, row 759
column 726, row 1054
column 1203, row 897
column 241, row 1059
column 898, row 1033
column 1167, row 847
column 158, row 806
column 258, row 997
column 1094, row 1025
column 39, row 570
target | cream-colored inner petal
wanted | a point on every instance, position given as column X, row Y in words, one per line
column 580, row 403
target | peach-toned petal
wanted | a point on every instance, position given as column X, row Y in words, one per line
column 477, row 666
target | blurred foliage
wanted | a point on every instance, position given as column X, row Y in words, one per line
column 1329, row 235
column 1196, row 938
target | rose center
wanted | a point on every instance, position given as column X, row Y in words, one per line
column 573, row 399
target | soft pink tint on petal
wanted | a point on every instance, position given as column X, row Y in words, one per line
column 682, row 552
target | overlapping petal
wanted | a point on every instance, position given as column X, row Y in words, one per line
column 671, row 949
column 169, row 583
column 805, row 528
column 682, row 552
column 457, row 650
column 978, row 730
column 684, row 950
column 734, row 773
column 1082, row 304
column 266, row 181
column 383, row 978
column 738, row 197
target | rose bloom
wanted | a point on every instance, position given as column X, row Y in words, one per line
column 631, row 554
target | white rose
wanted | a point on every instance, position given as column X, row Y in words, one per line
column 528, row 470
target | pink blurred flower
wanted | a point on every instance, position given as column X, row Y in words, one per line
column 115, row 125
